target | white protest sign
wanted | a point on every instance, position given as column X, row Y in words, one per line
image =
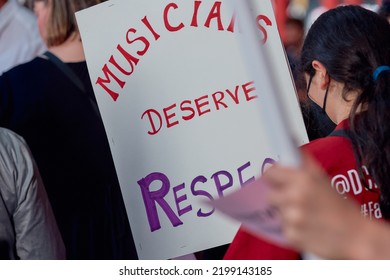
column 182, row 115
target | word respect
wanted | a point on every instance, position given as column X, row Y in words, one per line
column 200, row 186
column 124, row 60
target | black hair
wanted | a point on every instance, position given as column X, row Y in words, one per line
column 351, row 42
column 384, row 9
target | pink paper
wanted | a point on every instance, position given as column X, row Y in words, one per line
column 250, row 207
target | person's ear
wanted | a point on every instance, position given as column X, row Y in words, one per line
column 323, row 77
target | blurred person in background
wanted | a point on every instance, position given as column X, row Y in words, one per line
column 29, row 4
column 19, row 37
column 28, row 228
column 295, row 34
column 326, row 5
column 54, row 109
column 384, row 9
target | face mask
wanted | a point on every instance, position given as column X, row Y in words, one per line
column 318, row 124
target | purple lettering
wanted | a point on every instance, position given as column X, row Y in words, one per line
column 180, row 199
column 195, row 192
column 240, row 177
column 218, row 184
column 151, row 197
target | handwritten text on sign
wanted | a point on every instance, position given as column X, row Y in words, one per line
column 214, row 15
column 122, row 64
column 222, row 180
column 182, row 114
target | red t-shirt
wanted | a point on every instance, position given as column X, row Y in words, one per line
column 336, row 156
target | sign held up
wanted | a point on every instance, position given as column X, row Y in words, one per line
column 182, row 114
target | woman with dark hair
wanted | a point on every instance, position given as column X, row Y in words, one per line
column 49, row 101
column 346, row 63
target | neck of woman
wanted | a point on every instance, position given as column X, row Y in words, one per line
column 338, row 107
column 71, row 50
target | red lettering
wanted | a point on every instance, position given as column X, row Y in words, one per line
column 131, row 59
column 200, row 104
column 168, row 26
column 194, row 21
column 149, row 26
column 232, row 24
column 142, row 39
column 187, row 108
column 106, row 80
column 235, row 95
column 248, row 88
column 262, row 29
column 218, row 102
column 154, row 130
column 170, row 116
column 215, row 13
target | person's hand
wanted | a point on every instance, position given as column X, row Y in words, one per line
column 314, row 217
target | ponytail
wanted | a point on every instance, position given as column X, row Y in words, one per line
column 370, row 134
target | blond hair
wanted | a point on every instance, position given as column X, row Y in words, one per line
column 62, row 23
